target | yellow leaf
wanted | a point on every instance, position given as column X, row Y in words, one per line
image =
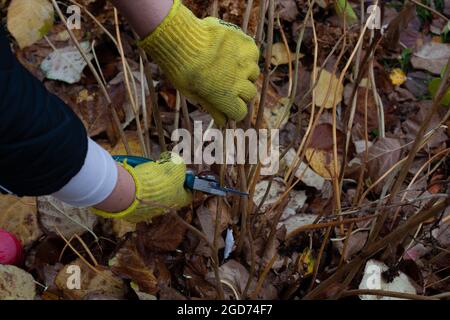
column 328, row 84
column 119, row 148
column 280, row 55
column 306, row 262
column 397, row 76
column 321, row 161
column 29, row 20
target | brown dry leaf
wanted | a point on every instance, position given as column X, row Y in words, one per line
column 100, row 282
column 234, row 274
column 16, row 284
column 359, row 119
column 234, row 278
column 207, row 222
column 319, row 153
column 55, row 216
column 355, row 244
column 383, row 154
column 322, row 162
column 225, row 214
column 88, row 103
column 288, row 10
column 128, row 263
column 397, row 25
column 412, row 125
column 328, row 84
column 195, row 271
column 431, row 57
column 164, row 234
column 297, row 221
column 19, row 216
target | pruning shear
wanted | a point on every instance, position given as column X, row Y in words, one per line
column 203, row 183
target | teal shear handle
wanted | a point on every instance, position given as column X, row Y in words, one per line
column 207, row 184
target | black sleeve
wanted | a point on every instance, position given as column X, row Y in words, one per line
column 42, row 142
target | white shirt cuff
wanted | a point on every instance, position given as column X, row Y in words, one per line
column 95, row 181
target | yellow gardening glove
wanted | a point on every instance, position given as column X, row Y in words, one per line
column 159, row 188
column 210, row 61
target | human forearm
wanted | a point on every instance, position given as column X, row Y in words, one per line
column 143, row 15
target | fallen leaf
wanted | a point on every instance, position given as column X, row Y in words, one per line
column 128, row 263
column 280, row 55
column 276, row 190
column 207, row 223
column 16, row 284
column 355, row 244
column 297, row 221
column 373, row 279
column 66, row 64
column 383, row 154
column 277, row 117
column 119, row 148
column 305, row 173
column 29, row 20
column 328, row 84
column 417, row 83
column 164, row 234
column 195, row 271
column 288, row 10
column 297, row 200
column 319, row 153
column 322, row 162
column 55, row 215
column 397, row 76
column 412, row 126
column 19, row 216
column 431, row 57
column 122, row 227
column 99, row 282
column 306, row 262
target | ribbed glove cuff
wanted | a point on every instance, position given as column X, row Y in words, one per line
column 132, row 208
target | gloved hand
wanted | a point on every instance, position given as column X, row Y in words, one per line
column 210, row 61
column 159, row 187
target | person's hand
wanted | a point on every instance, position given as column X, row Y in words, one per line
column 210, row 61
column 159, row 188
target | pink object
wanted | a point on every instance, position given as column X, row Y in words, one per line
column 11, row 251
